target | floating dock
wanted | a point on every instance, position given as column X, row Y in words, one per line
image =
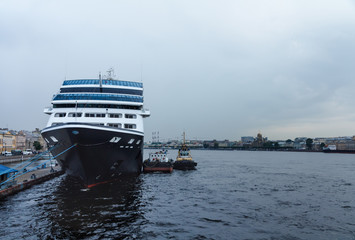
column 31, row 178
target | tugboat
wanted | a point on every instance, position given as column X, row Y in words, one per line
column 184, row 159
column 158, row 162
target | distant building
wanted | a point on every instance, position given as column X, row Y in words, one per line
column 259, row 141
column 347, row 145
column 339, row 143
column 281, row 143
column 218, row 144
column 209, row 144
column 289, row 143
column 224, row 144
column 300, row 143
column 247, row 139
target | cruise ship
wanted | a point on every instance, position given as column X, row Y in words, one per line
column 95, row 128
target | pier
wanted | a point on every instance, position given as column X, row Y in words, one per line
column 31, row 178
column 23, row 175
column 14, row 159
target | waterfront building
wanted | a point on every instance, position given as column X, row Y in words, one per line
column 7, row 141
column 2, row 133
column 29, row 140
column 20, row 141
column 342, row 143
column 33, row 136
column 348, row 145
column 36, row 134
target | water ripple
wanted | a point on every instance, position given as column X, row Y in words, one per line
column 232, row 194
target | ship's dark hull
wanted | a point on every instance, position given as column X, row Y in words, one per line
column 157, row 166
column 97, row 154
column 185, row 165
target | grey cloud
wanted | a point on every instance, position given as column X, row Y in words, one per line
column 232, row 67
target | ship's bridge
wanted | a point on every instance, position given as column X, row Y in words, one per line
column 103, row 97
column 105, row 91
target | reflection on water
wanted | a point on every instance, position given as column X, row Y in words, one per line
column 62, row 209
column 106, row 211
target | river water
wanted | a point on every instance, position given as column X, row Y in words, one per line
column 231, row 195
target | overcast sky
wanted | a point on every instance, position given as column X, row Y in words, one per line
column 215, row 69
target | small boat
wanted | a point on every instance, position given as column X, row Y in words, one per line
column 184, row 159
column 158, row 162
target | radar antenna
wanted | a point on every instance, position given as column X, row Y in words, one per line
column 110, row 74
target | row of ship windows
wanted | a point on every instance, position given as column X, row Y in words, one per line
column 97, row 115
column 89, row 96
column 104, row 82
column 94, row 105
column 116, row 125
column 101, row 90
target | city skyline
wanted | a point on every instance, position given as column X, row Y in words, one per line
column 156, row 138
column 217, row 70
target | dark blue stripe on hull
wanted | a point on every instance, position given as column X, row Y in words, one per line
column 98, row 156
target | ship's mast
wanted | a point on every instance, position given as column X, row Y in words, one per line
column 100, row 80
